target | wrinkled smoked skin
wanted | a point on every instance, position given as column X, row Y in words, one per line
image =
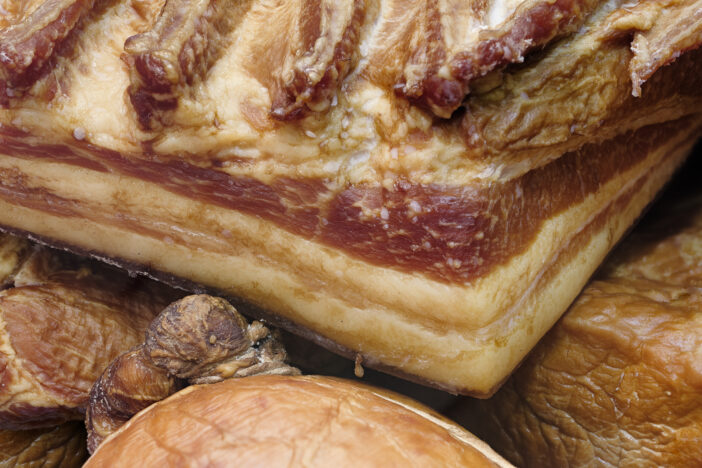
column 54, row 447
column 130, row 384
column 313, row 86
column 306, row 421
column 533, row 27
column 64, row 321
column 452, row 240
column 179, row 339
column 177, row 53
column 25, row 416
column 198, row 339
column 26, row 47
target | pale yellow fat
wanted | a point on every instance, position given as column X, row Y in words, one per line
column 477, row 332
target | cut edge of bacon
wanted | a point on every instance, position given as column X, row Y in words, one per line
column 532, row 28
column 27, row 47
column 315, row 75
column 175, row 54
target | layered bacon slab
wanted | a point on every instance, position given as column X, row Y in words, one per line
column 425, row 185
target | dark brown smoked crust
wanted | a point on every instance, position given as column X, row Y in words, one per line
column 531, row 29
column 25, row 48
column 458, row 235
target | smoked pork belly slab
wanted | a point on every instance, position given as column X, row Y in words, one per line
column 423, row 185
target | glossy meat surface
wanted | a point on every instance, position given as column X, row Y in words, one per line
column 291, row 421
column 62, row 321
column 372, row 181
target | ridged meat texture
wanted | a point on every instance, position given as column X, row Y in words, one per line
column 60, row 446
column 61, row 323
column 28, row 43
column 175, row 54
column 183, row 59
column 427, row 51
column 445, row 45
column 214, row 79
column 618, row 381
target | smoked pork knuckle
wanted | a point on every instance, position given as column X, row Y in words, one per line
column 197, row 339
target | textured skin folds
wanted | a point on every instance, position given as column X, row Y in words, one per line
column 197, row 339
column 63, row 320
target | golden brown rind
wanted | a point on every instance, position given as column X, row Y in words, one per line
column 62, row 322
column 129, row 384
column 285, row 421
column 632, row 190
column 379, row 227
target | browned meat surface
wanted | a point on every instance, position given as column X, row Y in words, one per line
column 175, row 54
column 198, row 339
column 51, row 447
column 28, row 43
column 367, row 173
column 61, row 323
column 274, row 420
